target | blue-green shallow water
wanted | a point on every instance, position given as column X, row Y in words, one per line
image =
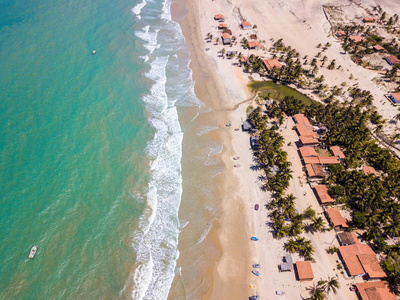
column 73, row 133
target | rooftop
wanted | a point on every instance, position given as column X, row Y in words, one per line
column 360, row 259
column 315, row 170
column 301, row 119
column 396, row 96
column 218, row 17
column 378, row 47
column 368, row 170
column 304, row 270
column 393, row 59
column 306, row 130
column 308, row 140
column 253, row 44
column 307, row 152
column 226, row 36
column 222, row 25
column 246, row 24
column 271, row 63
column 347, row 238
column 322, row 192
column 336, row 151
column 376, row 290
column 357, row 38
column 340, row 33
column 336, row 218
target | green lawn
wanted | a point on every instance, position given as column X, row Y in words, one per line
column 278, row 91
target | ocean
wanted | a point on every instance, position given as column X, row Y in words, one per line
column 108, row 162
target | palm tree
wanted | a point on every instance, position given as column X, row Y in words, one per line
column 318, row 224
column 316, row 292
column 332, row 284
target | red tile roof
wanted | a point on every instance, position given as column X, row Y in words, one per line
column 368, row 170
column 244, row 59
column 322, row 193
column 378, row 47
column 271, row 63
column 357, row 38
column 304, row 270
column 361, row 259
column 341, row 33
column 368, row 20
column 308, row 140
column 306, row 130
column 329, row 160
column 254, row 44
column 393, row 59
column 375, row 290
column 301, row 119
column 336, row 151
column 307, row 152
column 396, row 96
column 222, row 25
column 246, row 24
column 315, row 170
column 336, row 218
column 226, row 36
column 219, row 17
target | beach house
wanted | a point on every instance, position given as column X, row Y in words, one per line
column 315, row 171
column 219, row 17
column 369, row 170
column 336, row 151
column 271, row 63
column 255, row 45
column 369, row 20
column 304, row 270
column 357, row 39
column 360, row 260
column 376, row 290
column 340, row 33
column 335, row 218
column 222, row 26
column 392, row 60
column 394, row 97
column 226, row 38
column 321, row 190
column 378, row 48
column 245, row 25
column 347, row 238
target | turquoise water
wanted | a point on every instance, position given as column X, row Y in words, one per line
column 88, row 149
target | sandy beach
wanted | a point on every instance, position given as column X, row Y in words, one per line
column 222, row 86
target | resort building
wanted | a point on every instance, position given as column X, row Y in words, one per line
column 309, row 141
column 271, row 63
column 219, row 17
column 369, row 20
column 322, row 194
column 336, row 151
column 356, row 38
column 392, row 60
column 347, row 238
column 340, row 33
column 255, row 45
column 226, row 38
column 315, row 171
column 395, row 98
column 310, row 156
column 334, row 216
column 245, row 25
column 360, row 260
column 369, row 170
column 304, row 270
column 376, row 290
column 222, row 26
column 378, row 48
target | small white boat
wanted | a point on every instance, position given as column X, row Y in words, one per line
column 33, row 252
column 93, row 52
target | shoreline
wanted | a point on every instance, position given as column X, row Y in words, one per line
column 228, row 275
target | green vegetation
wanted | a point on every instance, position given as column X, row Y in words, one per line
column 278, row 91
